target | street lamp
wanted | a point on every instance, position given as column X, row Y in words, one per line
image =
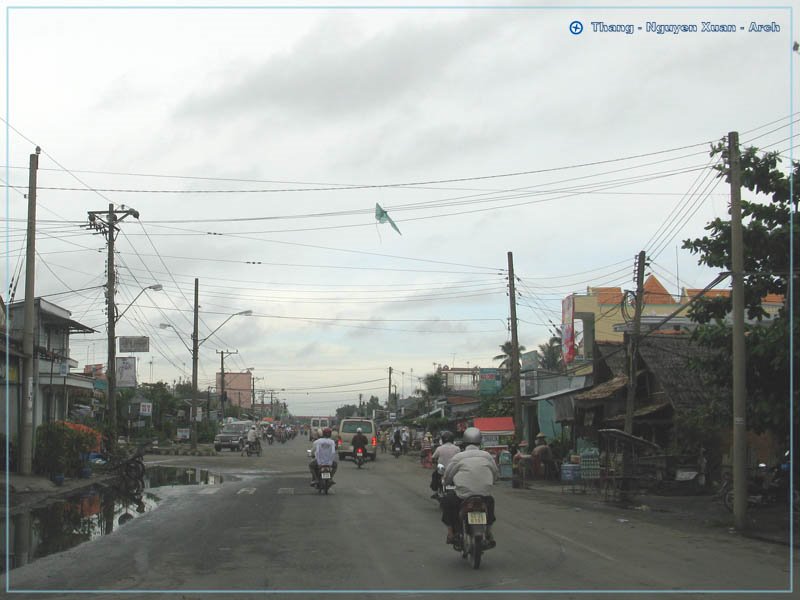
column 111, row 370
column 156, row 288
column 194, row 350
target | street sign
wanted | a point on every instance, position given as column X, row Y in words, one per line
column 392, row 416
column 63, row 369
column 198, row 413
column 134, row 344
column 146, row 409
column 183, row 433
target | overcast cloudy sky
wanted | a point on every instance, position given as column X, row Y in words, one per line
column 277, row 130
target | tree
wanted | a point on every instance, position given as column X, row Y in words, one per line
column 506, row 356
column 766, row 236
column 550, row 357
column 434, row 384
column 348, row 410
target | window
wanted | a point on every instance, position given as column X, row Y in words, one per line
column 351, row 426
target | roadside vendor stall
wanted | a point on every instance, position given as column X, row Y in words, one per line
column 619, row 478
column 497, row 432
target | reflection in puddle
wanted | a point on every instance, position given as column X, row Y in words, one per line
column 88, row 515
column 159, row 476
column 65, row 524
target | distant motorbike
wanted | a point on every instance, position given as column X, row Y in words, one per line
column 443, row 489
column 358, row 457
column 270, row 438
column 397, row 449
column 473, row 524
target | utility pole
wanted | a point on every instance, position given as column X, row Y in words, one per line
column 222, row 355
column 195, row 352
column 106, row 223
column 26, row 433
column 737, row 297
column 389, row 397
column 633, row 341
column 512, row 296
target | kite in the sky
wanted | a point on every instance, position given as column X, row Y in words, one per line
column 383, row 217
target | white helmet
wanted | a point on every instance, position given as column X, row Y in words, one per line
column 359, row 430
column 472, row 435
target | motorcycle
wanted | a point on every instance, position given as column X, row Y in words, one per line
column 359, row 457
column 443, row 489
column 769, row 486
column 324, row 479
column 252, row 448
column 473, row 521
column 270, row 438
column 396, row 450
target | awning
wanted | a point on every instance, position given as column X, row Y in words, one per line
column 627, row 437
column 501, row 425
column 601, row 392
column 644, row 411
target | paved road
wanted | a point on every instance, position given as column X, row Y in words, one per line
column 264, row 528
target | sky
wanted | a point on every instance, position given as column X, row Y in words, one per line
column 255, row 142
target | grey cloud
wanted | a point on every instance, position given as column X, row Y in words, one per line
column 329, row 75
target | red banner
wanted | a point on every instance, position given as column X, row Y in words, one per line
column 568, row 329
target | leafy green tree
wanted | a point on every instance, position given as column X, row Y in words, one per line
column 506, row 358
column 347, row 410
column 434, row 384
column 766, row 236
column 550, row 357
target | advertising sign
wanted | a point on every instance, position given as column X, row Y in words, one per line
column 134, row 344
column 490, row 381
column 183, row 433
column 93, row 370
column 126, row 372
column 568, row 329
column 146, row 409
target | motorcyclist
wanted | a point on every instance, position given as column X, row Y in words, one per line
column 359, row 441
column 252, row 437
column 473, row 472
column 324, row 452
column 442, row 456
column 397, row 440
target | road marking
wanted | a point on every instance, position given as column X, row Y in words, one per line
column 584, row 546
column 289, row 491
column 208, row 491
column 250, row 491
column 364, row 492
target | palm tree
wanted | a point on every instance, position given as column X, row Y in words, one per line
column 507, row 354
column 551, row 354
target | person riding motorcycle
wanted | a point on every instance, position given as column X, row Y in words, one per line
column 442, row 456
column 473, row 472
column 397, row 440
column 324, row 452
column 359, row 441
column 252, row 437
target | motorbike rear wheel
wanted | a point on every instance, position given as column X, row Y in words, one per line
column 475, row 551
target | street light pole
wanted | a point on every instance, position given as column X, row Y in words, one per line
column 195, row 347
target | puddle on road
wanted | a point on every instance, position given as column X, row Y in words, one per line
column 88, row 515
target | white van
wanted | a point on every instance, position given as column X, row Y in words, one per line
column 316, row 426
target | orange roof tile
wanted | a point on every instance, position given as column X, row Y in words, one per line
column 607, row 295
column 655, row 293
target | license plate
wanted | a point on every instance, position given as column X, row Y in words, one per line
column 476, row 518
column 326, row 475
column 449, row 488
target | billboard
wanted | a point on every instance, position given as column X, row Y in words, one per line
column 146, row 409
column 490, row 381
column 568, row 329
column 93, row 370
column 134, row 344
column 126, row 372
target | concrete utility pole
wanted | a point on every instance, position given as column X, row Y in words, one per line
column 195, row 352
column 633, row 341
column 389, row 397
column 26, row 433
column 737, row 297
column 222, row 355
column 107, row 224
column 512, row 295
